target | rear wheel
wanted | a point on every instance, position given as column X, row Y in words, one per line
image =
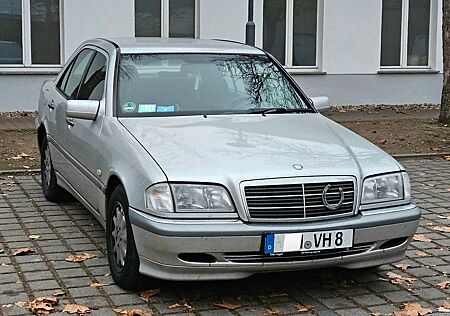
column 122, row 254
column 52, row 191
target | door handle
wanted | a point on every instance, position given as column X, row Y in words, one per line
column 69, row 121
column 51, row 105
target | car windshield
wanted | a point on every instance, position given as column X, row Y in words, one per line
column 193, row 84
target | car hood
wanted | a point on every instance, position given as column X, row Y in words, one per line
column 234, row 148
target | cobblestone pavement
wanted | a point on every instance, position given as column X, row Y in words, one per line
column 68, row 228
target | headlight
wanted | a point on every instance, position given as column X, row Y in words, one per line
column 386, row 188
column 201, row 198
column 197, row 198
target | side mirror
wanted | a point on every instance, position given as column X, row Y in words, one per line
column 82, row 109
column 322, row 104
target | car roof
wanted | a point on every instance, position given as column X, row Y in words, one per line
column 139, row 45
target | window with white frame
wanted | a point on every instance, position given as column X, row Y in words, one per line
column 405, row 34
column 166, row 18
column 30, row 33
column 290, row 31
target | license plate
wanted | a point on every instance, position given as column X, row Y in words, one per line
column 309, row 241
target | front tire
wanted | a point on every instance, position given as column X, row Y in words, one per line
column 52, row 191
column 122, row 254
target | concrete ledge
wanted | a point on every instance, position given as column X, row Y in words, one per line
column 421, row 155
column 19, row 172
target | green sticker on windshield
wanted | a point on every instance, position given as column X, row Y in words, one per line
column 129, row 107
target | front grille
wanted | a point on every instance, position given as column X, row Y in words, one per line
column 258, row 257
column 298, row 201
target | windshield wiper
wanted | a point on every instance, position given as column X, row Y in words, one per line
column 265, row 111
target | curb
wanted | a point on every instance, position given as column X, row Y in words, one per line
column 18, row 171
column 425, row 155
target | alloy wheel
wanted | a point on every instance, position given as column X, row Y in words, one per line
column 119, row 234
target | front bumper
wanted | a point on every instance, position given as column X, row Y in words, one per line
column 232, row 249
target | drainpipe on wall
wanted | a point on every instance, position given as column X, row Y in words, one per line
column 250, row 26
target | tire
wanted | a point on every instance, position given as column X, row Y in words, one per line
column 52, row 191
column 122, row 254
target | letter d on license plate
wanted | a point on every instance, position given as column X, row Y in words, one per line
column 308, row 241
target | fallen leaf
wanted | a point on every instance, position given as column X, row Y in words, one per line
column 398, row 279
column 413, row 309
column 442, row 216
column 59, row 293
column 402, row 266
column 444, row 308
column 421, row 237
column 22, row 251
column 447, row 158
column 441, row 229
column 76, row 309
column 7, row 305
column 182, row 303
column 132, row 312
column 80, row 258
column 2, row 250
column 26, row 167
column 422, row 254
column 226, row 305
column 303, row 308
column 444, row 285
column 98, row 285
column 42, row 305
column 21, row 304
column 273, row 311
column 34, row 237
column 382, row 142
column 145, row 295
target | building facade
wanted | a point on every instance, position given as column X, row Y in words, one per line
column 354, row 51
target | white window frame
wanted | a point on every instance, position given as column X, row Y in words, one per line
column 165, row 18
column 289, row 41
column 26, row 45
column 432, row 39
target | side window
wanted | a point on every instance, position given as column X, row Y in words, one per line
column 94, row 82
column 76, row 73
column 63, row 80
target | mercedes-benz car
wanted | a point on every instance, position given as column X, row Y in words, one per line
column 204, row 160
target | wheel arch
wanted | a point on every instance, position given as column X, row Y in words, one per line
column 41, row 133
column 113, row 182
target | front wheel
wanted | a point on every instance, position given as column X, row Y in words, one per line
column 122, row 254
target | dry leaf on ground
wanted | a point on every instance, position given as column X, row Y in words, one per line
column 226, row 305
column 273, row 311
column 76, row 309
column 34, row 237
column 98, row 285
column 402, row 266
column 42, row 305
column 444, row 285
column 80, row 258
column 413, row 309
column 7, row 305
column 21, row 304
column 442, row 216
column 303, row 308
column 422, row 254
column 447, row 158
column 145, row 295
column 182, row 303
column 445, row 308
column 398, row 279
column 22, row 251
column 132, row 312
column 421, row 237
column 441, row 229
column 2, row 250
column 59, row 293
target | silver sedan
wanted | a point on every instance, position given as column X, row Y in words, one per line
column 203, row 159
